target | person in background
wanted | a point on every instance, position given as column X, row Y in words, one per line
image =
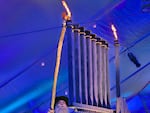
column 61, row 105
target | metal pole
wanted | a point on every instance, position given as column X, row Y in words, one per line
column 117, row 61
column 66, row 17
column 58, row 59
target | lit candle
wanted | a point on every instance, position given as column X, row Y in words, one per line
column 114, row 31
column 68, row 16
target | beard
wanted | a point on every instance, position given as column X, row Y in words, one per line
column 61, row 110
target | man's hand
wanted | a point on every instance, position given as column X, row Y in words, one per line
column 50, row 111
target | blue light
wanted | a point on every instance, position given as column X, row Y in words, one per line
column 36, row 92
column 27, row 97
column 135, row 104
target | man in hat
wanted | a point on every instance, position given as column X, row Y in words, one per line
column 61, row 105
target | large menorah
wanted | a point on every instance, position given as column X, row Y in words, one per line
column 88, row 68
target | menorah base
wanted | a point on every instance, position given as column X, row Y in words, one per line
column 83, row 108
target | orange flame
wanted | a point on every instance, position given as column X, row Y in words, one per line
column 114, row 31
column 67, row 10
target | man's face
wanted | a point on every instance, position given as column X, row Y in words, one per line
column 61, row 103
column 61, row 107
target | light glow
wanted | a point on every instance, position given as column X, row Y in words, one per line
column 66, row 93
column 20, row 101
column 42, row 64
column 114, row 32
column 94, row 26
column 67, row 9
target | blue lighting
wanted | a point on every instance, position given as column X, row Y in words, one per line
column 35, row 93
column 27, row 97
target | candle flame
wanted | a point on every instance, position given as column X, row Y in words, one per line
column 67, row 9
column 114, row 31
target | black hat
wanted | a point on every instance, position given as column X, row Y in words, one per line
column 57, row 99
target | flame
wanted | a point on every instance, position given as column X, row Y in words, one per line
column 67, row 9
column 114, row 31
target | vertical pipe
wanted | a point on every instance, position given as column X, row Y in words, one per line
column 98, row 43
column 79, row 68
column 101, row 90
column 71, row 66
column 117, row 60
column 89, row 67
column 103, row 74
column 107, row 75
column 83, row 66
column 78, row 65
column 77, row 72
column 94, row 68
column 85, row 69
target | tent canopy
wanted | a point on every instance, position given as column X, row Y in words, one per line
column 29, row 32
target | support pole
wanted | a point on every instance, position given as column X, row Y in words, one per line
column 66, row 17
column 121, row 106
column 59, row 51
column 117, row 61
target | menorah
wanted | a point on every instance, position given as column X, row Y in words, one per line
column 88, row 76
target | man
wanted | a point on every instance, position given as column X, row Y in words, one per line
column 61, row 105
